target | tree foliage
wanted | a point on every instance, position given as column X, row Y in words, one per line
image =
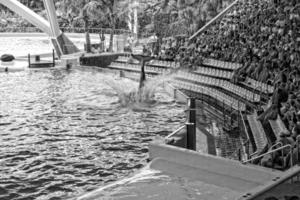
column 182, row 16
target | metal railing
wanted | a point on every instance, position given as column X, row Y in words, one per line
column 95, row 30
column 21, row 30
column 290, row 147
column 67, row 30
column 175, row 132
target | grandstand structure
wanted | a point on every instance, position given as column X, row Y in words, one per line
column 248, row 82
column 241, row 51
column 258, row 43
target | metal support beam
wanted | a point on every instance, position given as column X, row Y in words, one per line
column 60, row 42
column 220, row 15
column 28, row 14
column 50, row 8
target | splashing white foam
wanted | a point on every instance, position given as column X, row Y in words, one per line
column 130, row 96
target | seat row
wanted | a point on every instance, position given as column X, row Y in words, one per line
column 161, row 63
column 126, row 66
column 259, row 85
column 222, row 64
column 215, row 72
column 240, row 91
column 125, row 59
column 137, row 74
column 226, row 99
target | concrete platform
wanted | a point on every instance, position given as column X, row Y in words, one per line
column 99, row 60
column 177, row 174
column 150, row 184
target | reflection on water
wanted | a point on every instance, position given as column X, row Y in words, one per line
column 64, row 133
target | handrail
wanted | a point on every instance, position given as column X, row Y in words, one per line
column 290, row 174
column 272, row 151
column 175, row 132
column 276, row 144
column 220, row 15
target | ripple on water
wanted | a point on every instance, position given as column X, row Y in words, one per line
column 63, row 133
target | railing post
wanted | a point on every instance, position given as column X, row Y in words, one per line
column 175, row 93
column 191, row 125
column 53, row 57
column 28, row 60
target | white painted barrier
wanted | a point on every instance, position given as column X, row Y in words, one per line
column 209, row 169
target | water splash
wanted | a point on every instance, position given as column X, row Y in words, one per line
column 130, row 96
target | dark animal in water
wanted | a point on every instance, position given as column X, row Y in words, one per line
column 143, row 59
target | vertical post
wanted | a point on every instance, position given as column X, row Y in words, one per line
column 191, row 125
column 53, row 56
column 28, row 60
column 175, row 93
column 239, row 154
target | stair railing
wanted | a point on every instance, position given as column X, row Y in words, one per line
column 272, row 153
column 276, row 145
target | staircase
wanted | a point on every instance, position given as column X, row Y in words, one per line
column 257, row 132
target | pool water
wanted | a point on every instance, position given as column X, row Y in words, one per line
column 21, row 46
column 63, row 133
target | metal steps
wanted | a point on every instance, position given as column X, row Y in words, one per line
column 278, row 126
column 257, row 132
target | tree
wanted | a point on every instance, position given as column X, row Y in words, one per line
column 114, row 10
column 185, row 16
column 85, row 10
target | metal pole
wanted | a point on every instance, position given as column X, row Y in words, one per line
column 28, row 60
column 191, row 125
column 53, row 57
column 175, row 93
